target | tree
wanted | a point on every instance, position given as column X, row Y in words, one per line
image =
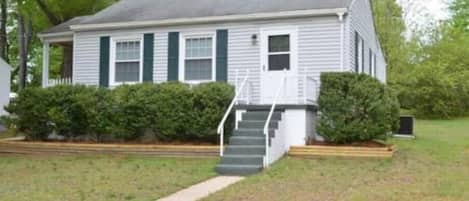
column 59, row 11
column 3, row 30
column 391, row 30
column 460, row 10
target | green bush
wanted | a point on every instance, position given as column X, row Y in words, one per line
column 29, row 112
column 435, row 93
column 210, row 103
column 170, row 111
column 355, row 108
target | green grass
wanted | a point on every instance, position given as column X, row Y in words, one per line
column 76, row 178
column 435, row 167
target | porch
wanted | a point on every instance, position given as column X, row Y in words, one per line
column 60, row 36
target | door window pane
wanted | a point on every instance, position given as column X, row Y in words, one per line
column 279, row 62
column 279, row 43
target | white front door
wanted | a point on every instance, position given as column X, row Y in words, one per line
column 279, row 59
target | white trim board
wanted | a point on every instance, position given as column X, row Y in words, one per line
column 211, row 19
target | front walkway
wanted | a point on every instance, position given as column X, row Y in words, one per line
column 203, row 189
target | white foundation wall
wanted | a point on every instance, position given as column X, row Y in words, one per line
column 296, row 128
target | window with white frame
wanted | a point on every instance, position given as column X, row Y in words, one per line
column 199, row 61
column 126, row 61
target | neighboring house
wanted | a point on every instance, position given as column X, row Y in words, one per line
column 5, row 72
column 273, row 51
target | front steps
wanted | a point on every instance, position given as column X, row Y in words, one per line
column 246, row 150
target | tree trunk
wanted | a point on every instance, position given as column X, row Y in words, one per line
column 3, row 30
column 67, row 61
column 22, row 74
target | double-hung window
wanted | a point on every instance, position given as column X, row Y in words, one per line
column 126, row 61
column 199, row 58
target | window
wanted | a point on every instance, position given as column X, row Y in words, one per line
column 359, row 53
column 199, row 62
column 126, row 61
column 279, row 52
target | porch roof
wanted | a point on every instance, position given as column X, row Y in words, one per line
column 62, row 32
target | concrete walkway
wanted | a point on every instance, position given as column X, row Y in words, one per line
column 203, row 189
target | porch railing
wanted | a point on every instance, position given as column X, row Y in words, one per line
column 239, row 92
column 59, row 81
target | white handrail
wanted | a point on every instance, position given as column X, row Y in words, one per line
column 221, row 126
column 269, row 118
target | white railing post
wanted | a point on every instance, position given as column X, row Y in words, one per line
column 221, row 126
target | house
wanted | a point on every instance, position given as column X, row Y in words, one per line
column 273, row 51
column 5, row 72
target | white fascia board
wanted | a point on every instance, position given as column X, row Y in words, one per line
column 205, row 20
column 56, row 37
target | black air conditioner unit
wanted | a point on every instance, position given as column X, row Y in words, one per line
column 406, row 125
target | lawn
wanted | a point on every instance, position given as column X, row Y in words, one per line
column 434, row 167
column 105, row 177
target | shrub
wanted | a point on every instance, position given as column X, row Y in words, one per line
column 170, row 111
column 210, row 103
column 175, row 112
column 355, row 108
column 29, row 112
column 436, row 93
column 132, row 110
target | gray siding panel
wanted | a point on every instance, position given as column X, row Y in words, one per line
column 360, row 19
column 318, row 49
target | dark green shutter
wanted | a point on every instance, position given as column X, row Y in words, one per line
column 173, row 56
column 104, row 54
column 148, row 48
column 222, row 55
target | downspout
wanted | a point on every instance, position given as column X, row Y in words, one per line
column 342, row 41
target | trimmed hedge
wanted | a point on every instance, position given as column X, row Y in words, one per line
column 169, row 112
column 356, row 108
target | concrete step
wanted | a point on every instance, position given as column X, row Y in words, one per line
column 242, row 160
column 251, row 124
column 245, row 150
column 247, row 140
column 261, row 116
column 259, row 132
column 238, row 170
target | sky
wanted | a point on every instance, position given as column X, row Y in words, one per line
column 424, row 13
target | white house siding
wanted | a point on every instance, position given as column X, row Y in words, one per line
column 4, row 86
column 318, row 48
column 360, row 19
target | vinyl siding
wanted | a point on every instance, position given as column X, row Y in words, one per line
column 360, row 20
column 318, row 49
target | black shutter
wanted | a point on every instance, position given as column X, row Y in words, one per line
column 104, row 54
column 148, row 48
column 173, row 56
column 222, row 56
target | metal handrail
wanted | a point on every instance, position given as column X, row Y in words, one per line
column 269, row 119
column 221, row 126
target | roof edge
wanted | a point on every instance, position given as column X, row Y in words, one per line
column 211, row 19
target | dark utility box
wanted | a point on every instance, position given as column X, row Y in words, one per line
column 406, row 125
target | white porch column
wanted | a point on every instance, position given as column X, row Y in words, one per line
column 45, row 64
